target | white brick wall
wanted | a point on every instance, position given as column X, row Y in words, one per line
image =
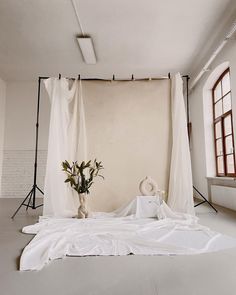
column 18, row 172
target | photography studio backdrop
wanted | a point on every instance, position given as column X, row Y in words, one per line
column 128, row 128
column 121, row 130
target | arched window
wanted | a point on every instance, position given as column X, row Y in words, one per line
column 223, row 126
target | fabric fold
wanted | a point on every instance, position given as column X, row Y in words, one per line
column 180, row 195
column 67, row 134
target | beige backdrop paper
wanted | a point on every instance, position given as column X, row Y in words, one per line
column 128, row 129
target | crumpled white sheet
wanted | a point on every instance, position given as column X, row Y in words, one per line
column 146, row 207
column 113, row 234
column 139, row 207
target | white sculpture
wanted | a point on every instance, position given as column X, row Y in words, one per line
column 149, row 187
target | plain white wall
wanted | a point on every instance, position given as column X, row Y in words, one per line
column 2, row 123
column 198, row 144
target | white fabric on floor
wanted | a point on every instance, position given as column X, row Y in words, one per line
column 175, row 234
column 140, row 207
column 180, row 195
column 67, row 141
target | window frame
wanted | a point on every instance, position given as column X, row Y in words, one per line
column 221, row 119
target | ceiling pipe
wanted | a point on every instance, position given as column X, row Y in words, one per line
column 77, row 16
column 205, row 68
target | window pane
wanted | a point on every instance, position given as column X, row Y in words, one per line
column 218, row 109
column 229, row 144
column 217, row 92
column 219, row 147
column 226, row 84
column 218, row 130
column 228, row 125
column 230, row 164
column 220, row 165
column 227, row 103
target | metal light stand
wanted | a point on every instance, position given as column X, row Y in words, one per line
column 205, row 200
column 189, row 128
column 30, row 199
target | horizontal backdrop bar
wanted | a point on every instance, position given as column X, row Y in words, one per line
column 114, row 79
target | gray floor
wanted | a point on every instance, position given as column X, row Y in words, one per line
column 204, row 274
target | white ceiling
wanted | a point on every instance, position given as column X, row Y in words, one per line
column 144, row 38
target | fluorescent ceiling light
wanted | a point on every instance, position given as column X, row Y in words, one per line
column 87, row 50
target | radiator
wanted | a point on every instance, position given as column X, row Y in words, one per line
column 224, row 196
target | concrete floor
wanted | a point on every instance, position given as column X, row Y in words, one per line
column 204, row 274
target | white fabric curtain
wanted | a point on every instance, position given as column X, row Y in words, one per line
column 77, row 136
column 67, row 141
column 180, row 196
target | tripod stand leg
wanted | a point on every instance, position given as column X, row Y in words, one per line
column 40, row 190
column 22, row 203
column 41, row 193
column 205, row 200
column 29, row 199
column 211, row 206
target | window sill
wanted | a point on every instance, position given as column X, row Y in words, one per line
column 221, row 178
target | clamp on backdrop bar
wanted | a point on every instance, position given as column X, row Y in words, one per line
column 189, row 131
column 30, row 199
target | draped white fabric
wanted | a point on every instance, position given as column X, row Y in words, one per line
column 77, row 136
column 120, row 233
column 180, row 196
column 67, row 134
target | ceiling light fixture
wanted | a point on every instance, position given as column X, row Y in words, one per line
column 87, row 49
column 85, row 42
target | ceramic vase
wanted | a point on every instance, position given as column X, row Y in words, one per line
column 83, row 210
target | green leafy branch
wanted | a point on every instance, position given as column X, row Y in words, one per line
column 81, row 176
